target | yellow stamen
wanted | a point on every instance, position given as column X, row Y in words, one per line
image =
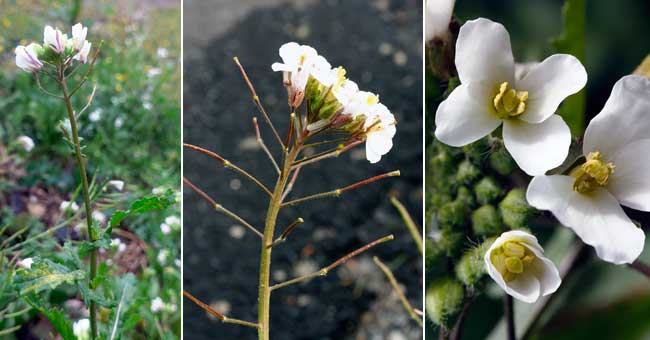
column 372, row 99
column 592, row 174
column 508, row 102
column 340, row 77
column 514, row 265
column 512, row 259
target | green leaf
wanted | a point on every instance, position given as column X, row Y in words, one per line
column 55, row 315
column 143, row 205
column 572, row 41
column 45, row 274
column 125, row 289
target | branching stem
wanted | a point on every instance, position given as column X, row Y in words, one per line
column 324, row 271
column 218, row 315
column 266, row 150
column 398, row 291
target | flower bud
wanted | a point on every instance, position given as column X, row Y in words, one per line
column 501, row 162
column 443, row 300
column 486, row 221
column 515, row 210
column 467, row 172
column 471, row 267
column 487, row 191
column 465, row 196
column 452, row 214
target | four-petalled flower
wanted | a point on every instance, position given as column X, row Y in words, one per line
column 490, row 96
column 516, row 262
column 615, row 173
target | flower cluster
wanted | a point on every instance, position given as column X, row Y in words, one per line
column 333, row 101
column 57, row 47
column 521, row 103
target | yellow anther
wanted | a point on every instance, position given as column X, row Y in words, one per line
column 592, row 174
column 514, row 265
column 508, row 102
column 340, row 77
column 512, row 249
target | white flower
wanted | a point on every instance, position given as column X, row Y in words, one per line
column 490, row 95
column 95, row 116
column 162, row 52
column 67, row 205
column 99, row 216
column 55, row 39
column 118, row 185
column 79, row 36
column 615, row 173
column 27, row 58
column 173, row 220
column 157, row 305
column 162, row 256
column 82, row 56
column 165, row 228
column 26, row 142
column 81, row 329
column 516, row 262
column 437, row 17
column 380, row 129
column 119, row 121
column 158, row 190
column 178, row 263
column 25, row 263
column 298, row 63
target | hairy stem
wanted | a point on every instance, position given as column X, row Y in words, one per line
column 86, row 196
column 275, row 203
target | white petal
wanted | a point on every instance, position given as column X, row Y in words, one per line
column 525, row 287
column 547, row 274
column 537, row 148
column 464, row 117
column 522, row 69
column 483, row 53
column 624, row 119
column 438, row 15
column 549, row 83
column 630, row 182
column 597, row 218
column 371, row 155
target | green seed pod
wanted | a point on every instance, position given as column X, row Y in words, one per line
column 487, row 191
column 435, row 258
column 514, row 209
column 443, row 300
column 442, row 162
column 471, row 267
column 467, row 172
column 486, row 221
column 501, row 162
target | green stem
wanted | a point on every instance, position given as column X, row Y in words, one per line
column 86, row 195
column 264, row 293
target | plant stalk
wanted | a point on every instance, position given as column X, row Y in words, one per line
column 86, row 195
column 264, row 292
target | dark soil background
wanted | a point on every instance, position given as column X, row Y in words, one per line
column 379, row 43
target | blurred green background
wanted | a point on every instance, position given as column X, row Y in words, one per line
column 599, row 300
column 131, row 133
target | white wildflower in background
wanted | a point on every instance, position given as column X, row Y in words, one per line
column 95, row 116
column 119, row 122
column 99, row 216
column 165, row 228
column 81, row 329
column 158, row 190
column 171, row 222
column 437, row 17
column 615, row 173
column 27, row 57
column 55, row 39
column 516, row 262
column 117, row 243
column 491, row 96
column 67, row 205
column 178, row 263
column 25, row 263
column 115, row 184
column 157, row 305
column 162, row 257
column 26, row 143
